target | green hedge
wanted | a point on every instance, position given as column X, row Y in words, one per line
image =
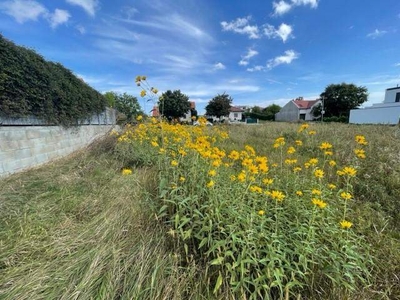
column 30, row 85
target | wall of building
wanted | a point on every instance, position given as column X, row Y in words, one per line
column 22, row 147
column 377, row 114
column 289, row 113
column 390, row 95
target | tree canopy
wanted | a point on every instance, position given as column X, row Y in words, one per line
column 219, row 105
column 174, row 104
column 339, row 99
column 126, row 104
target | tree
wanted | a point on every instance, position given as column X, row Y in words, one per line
column 339, row 99
column 128, row 105
column 271, row 110
column 111, row 98
column 219, row 105
column 174, row 105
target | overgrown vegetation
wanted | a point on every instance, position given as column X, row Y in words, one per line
column 80, row 229
column 30, row 85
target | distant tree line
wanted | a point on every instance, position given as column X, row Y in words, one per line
column 30, row 85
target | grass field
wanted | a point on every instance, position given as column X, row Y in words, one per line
column 79, row 229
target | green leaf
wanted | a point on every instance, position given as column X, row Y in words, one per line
column 218, row 283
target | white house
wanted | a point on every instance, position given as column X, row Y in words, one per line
column 387, row 112
column 297, row 109
column 235, row 113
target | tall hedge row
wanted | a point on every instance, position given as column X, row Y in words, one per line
column 30, row 85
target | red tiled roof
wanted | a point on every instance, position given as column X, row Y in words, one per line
column 235, row 109
column 155, row 112
column 304, row 104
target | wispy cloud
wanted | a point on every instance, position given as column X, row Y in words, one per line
column 282, row 7
column 23, row 10
column 286, row 58
column 59, row 17
column 256, row 68
column 283, row 32
column 89, row 6
column 81, row 29
column 242, row 26
column 245, row 59
column 219, row 66
column 376, row 33
column 397, row 65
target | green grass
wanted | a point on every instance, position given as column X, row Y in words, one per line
column 77, row 229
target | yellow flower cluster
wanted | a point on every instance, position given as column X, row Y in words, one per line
column 126, row 171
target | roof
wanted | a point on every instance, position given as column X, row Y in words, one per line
column 235, row 109
column 304, row 104
column 155, row 112
column 393, row 88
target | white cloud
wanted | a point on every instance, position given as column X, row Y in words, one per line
column 287, row 58
column 282, row 7
column 58, row 17
column 312, row 3
column 81, row 29
column 376, row 33
column 245, row 59
column 284, row 32
column 219, row 66
column 23, row 11
column 397, row 65
column 242, row 26
column 88, row 5
column 256, row 69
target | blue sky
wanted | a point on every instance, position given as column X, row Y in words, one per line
column 259, row 52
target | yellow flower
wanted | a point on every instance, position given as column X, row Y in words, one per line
column 346, row 195
column 290, row 161
column 173, row 186
column 154, row 90
column 319, row 203
column 174, row 163
column 312, row 132
column 216, row 163
column 250, row 150
column 296, row 169
column 316, row 192
column 360, row 153
column 360, row 139
column 234, row 155
column 143, row 77
column 313, row 161
column 233, row 177
column 210, row 184
column 350, row 171
column 247, row 162
column 345, row 224
column 126, row 171
column 319, row 173
column 139, row 118
column 253, row 169
column 263, row 168
column 307, row 165
column 182, row 152
column 212, row 173
column 299, row 193
column 162, row 151
column 154, row 143
column 291, row 150
column 328, row 153
column 331, row 186
column 143, row 93
column 261, row 212
column 277, row 195
column 325, row 146
column 303, row 127
column 138, row 78
column 280, row 141
column 299, row 143
column 255, row 189
column 267, row 181
column 182, row 179
column 241, row 177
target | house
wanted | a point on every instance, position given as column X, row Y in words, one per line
column 236, row 113
column 297, row 109
column 387, row 112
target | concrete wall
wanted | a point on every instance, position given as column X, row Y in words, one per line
column 22, row 147
column 377, row 114
column 289, row 113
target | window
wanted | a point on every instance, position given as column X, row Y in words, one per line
column 397, row 97
column 302, row 116
column 235, row 115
